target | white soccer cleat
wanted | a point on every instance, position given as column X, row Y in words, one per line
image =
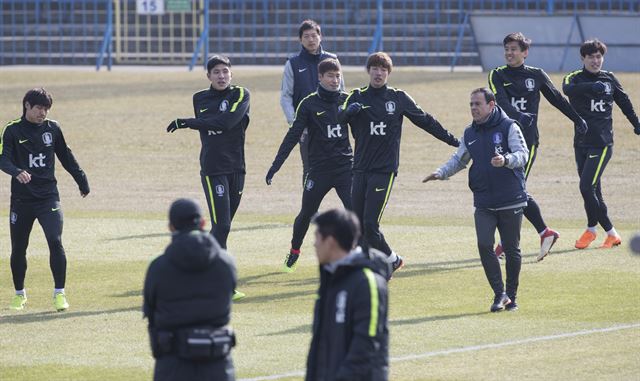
column 546, row 243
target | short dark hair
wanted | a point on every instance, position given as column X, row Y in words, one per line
column 381, row 59
column 488, row 94
column 217, row 59
column 306, row 25
column 328, row 64
column 341, row 224
column 185, row 214
column 37, row 97
column 593, row 46
column 518, row 37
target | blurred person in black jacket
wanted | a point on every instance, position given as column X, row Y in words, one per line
column 350, row 332
column 187, row 300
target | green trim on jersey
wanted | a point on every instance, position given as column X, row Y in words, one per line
column 300, row 104
column 493, row 87
column 386, row 197
column 360, row 89
column 373, row 291
column 597, row 174
column 530, row 161
column 572, row 74
column 3, row 130
column 213, row 205
column 240, row 98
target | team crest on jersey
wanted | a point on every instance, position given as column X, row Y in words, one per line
column 530, row 84
column 13, row 218
column 309, row 184
column 224, row 105
column 497, row 143
column 607, row 88
column 220, row 190
column 47, row 138
column 390, row 107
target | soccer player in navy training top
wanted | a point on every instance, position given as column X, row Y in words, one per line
column 330, row 154
column 592, row 92
column 517, row 88
column 28, row 149
column 375, row 113
column 300, row 78
column 221, row 117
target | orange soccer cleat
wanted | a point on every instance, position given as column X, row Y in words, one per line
column 611, row 241
column 585, row 240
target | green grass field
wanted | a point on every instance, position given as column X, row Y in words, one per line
column 579, row 314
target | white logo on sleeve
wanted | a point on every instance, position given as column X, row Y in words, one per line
column 334, row 131
column 597, row 106
column 520, row 104
column 377, row 129
column 36, row 161
column 341, row 306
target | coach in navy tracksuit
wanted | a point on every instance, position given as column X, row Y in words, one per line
column 300, row 79
column 497, row 147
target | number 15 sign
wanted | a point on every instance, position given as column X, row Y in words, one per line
column 150, row 7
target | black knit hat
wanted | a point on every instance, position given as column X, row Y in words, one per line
column 185, row 214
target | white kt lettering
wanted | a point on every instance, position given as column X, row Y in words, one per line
column 378, row 129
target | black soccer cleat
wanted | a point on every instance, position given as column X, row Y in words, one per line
column 513, row 306
column 499, row 302
column 290, row 261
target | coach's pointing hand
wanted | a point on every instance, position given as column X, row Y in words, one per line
column 174, row 125
column 433, row 176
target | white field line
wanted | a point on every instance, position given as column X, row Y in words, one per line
column 471, row 348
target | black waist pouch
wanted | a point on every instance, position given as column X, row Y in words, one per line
column 205, row 343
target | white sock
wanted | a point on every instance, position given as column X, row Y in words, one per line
column 592, row 229
column 21, row 292
column 612, row 231
column 58, row 290
column 392, row 258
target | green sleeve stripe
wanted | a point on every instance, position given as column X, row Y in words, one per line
column 568, row 77
column 213, row 204
column 2, row 135
column 386, row 197
column 493, row 87
column 597, row 174
column 529, row 161
column 344, row 105
column 240, row 98
column 300, row 104
column 373, row 290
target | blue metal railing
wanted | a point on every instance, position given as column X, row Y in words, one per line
column 416, row 32
column 107, row 38
column 51, row 32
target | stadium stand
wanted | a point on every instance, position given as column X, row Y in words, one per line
column 256, row 31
